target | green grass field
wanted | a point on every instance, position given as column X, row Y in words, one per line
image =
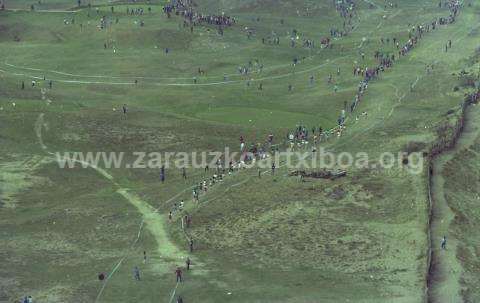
column 361, row 238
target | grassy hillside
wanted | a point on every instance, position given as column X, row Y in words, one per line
column 362, row 238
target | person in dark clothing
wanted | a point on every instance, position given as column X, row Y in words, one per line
column 136, row 273
column 178, row 274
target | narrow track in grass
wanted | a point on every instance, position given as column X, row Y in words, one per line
column 132, row 83
column 446, row 269
column 151, row 218
column 63, row 73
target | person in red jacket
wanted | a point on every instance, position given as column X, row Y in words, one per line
column 178, row 273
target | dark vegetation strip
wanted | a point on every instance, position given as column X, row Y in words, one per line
column 446, row 141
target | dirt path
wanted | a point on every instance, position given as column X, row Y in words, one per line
column 310, row 69
column 446, row 268
column 154, row 222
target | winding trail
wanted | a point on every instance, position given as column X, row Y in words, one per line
column 154, row 222
column 132, row 83
column 446, row 269
column 62, row 73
